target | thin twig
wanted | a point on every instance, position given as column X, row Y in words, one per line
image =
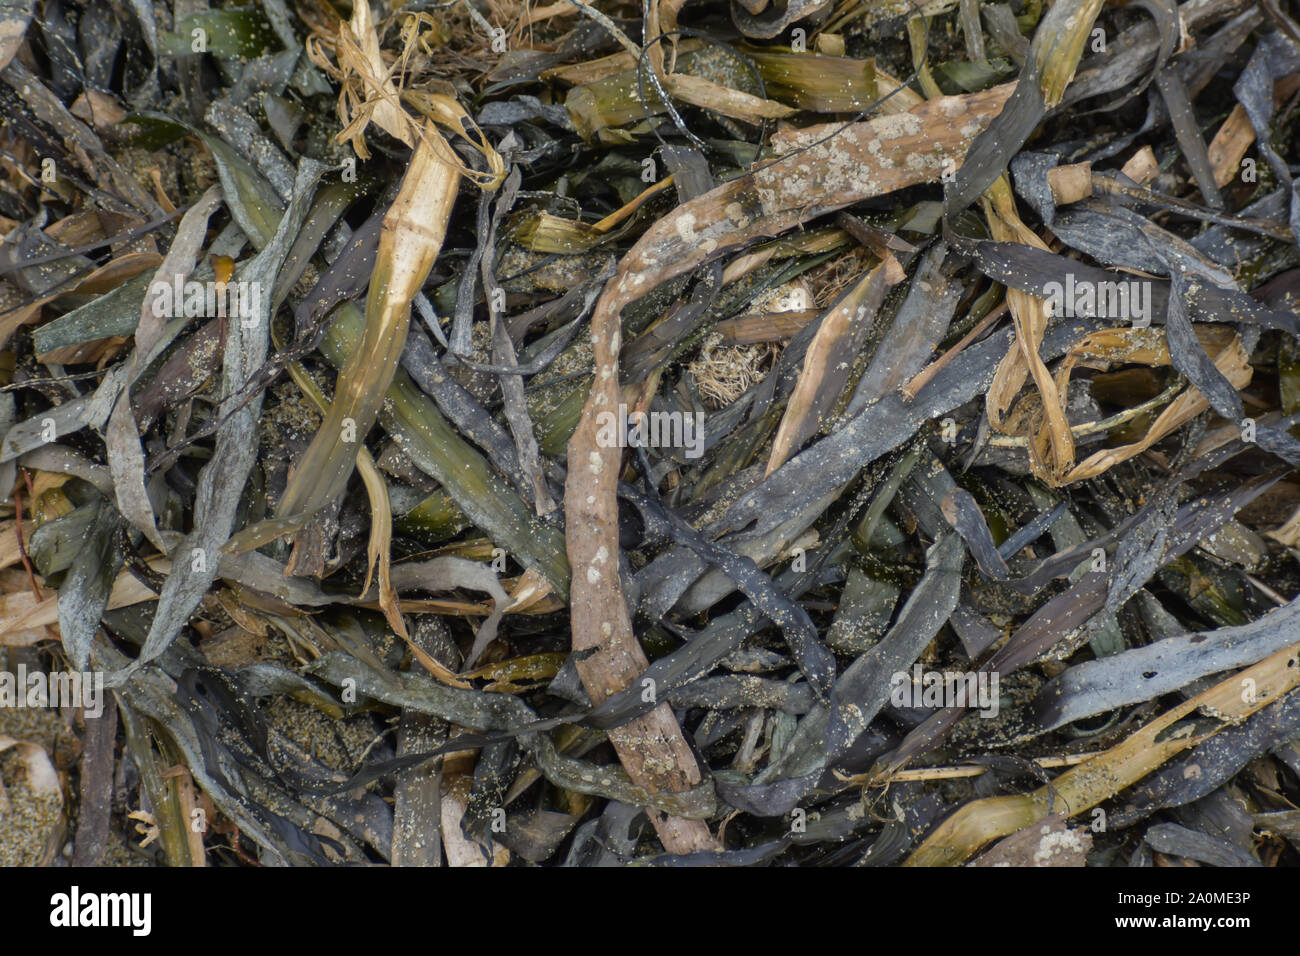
column 923, row 377
column 18, row 534
column 959, row 771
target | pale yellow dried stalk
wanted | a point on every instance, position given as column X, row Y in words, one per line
column 724, row 100
column 411, row 238
column 409, row 243
column 360, row 60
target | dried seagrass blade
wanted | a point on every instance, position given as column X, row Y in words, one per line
column 1051, row 447
column 411, row 239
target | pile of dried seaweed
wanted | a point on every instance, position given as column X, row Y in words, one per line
column 769, row 432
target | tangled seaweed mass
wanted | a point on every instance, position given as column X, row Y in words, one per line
column 749, row 433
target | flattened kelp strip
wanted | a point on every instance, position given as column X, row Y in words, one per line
column 1147, row 672
column 1035, row 271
